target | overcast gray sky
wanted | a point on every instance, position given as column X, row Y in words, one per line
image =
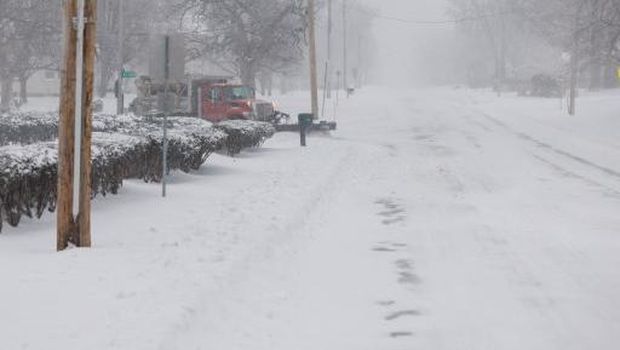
column 401, row 46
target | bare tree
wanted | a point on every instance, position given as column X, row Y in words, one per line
column 138, row 16
column 246, row 37
column 29, row 37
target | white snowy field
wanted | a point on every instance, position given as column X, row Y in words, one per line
column 432, row 219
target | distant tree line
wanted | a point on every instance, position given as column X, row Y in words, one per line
column 580, row 37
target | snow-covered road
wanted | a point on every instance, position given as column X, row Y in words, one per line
column 437, row 219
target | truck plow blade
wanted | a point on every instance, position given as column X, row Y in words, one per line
column 317, row 126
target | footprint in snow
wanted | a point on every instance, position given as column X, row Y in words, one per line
column 404, row 264
column 408, row 278
column 401, row 334
column 400, row 314
column 392, row 212
column 383, row 249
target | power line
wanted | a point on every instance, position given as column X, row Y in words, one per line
column 413, row 21
column 433, row 22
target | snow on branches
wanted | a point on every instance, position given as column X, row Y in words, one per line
column 25, row 128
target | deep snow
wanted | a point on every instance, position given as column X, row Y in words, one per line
column 433, row 219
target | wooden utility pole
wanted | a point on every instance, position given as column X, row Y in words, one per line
column 330, row 26
column 66, row 130
column 572, row 93
column 313, row 77
column 90, row 42
column 574, row 64
column 72, row 229
column 327, row 88
column 344, row 46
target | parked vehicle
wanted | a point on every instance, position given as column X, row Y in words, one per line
column 217, row 101
column 213, row 98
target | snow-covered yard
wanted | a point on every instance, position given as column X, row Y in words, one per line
column 432, row 219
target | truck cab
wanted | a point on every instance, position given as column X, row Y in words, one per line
column 218, row 101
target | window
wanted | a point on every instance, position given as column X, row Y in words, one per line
column 239, row 93
column 214, row 94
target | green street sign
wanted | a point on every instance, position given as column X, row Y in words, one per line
column 128, row 74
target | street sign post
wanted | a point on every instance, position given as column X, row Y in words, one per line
column 175, row 53
column 166, row 68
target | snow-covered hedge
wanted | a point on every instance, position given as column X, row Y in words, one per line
column 123, row 147
column 244, row 134
column 27, row 127
column 116, row 157
column 27, row 181
column 28, row 174
column 190, row 141
column 32, row 127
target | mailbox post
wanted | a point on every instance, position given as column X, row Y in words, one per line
column 305, row 121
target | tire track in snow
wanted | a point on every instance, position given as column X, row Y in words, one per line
column 578, row 164
column 568, row 173
column 547, row 146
